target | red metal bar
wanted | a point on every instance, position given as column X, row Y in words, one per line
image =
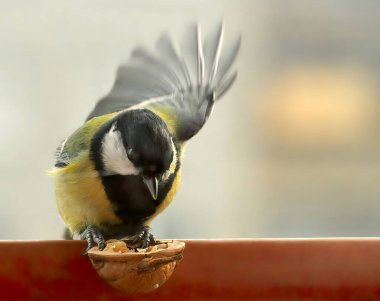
column 283, row 269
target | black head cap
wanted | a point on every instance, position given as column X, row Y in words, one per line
column 147, row 140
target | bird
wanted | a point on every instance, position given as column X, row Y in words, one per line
column 122, row 167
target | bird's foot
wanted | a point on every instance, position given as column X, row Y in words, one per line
column 142, row 239
column 93, row 236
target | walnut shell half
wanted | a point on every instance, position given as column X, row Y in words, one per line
column 136, row 272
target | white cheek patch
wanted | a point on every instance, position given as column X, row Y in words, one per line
column 114, row 155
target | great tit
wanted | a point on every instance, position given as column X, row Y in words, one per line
column 122, row 167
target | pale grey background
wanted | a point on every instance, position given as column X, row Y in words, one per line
column 58, row 57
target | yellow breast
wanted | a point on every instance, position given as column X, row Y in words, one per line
column 80, row 195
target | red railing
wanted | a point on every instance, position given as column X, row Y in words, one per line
column 279, row 269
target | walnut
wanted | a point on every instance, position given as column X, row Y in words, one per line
column 136, row 271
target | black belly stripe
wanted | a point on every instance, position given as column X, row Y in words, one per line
column 131, row 198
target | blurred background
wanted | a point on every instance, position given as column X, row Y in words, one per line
column 292, row 150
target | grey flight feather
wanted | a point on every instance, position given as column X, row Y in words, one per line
column 187, row 84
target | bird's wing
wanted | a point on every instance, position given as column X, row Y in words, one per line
column 184, row 85
column 79, row 141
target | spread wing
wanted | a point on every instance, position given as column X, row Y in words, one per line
column 184, row 85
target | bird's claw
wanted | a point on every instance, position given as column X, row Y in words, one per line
column 93, row 236
column 142, row 239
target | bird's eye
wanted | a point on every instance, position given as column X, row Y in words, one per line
column 132, row 155
column 152, row 168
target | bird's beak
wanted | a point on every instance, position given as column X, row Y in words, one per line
column 152, row 184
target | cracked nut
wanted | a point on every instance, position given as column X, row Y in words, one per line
column 136, row 271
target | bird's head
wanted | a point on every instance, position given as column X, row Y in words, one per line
column 137, row 142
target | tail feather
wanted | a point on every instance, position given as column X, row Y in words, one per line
column 169, row 54
column 158, row 67
column 225, row 83
column 192, row 53
column 187, row 82
column 201, row 61
column 229, row 53
column 213, row 46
